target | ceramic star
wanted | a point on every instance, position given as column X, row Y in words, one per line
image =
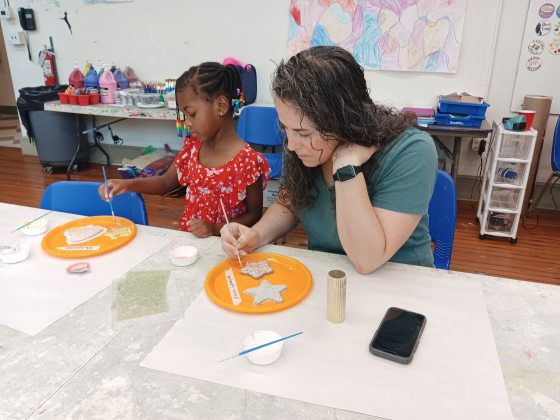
column 266, row 291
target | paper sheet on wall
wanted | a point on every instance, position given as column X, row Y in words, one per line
column 455, row 372
column 38, row 291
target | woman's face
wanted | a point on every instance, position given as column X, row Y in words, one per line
column 302, row 138
column 200, row 114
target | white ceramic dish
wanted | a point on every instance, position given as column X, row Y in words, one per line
column 19, row 252
column 158, row 105
column 266, row 355
column 184, row 255
column 35, row 228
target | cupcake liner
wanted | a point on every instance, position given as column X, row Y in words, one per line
column 266, row 355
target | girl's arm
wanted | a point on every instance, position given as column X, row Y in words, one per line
column 253, row 206
column 369, row 235
column 156, row 185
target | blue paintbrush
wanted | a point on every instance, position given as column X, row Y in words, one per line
column 260, row 347
column 107, row 192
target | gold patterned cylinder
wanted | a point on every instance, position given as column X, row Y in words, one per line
column 336, row 296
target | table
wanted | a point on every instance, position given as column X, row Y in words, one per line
column 81, row 367
column 457, row 132
column 118, row 113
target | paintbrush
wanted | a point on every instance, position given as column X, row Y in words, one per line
column 107, row 192
column 260, row 347
column 31, row 221
column 229, row 228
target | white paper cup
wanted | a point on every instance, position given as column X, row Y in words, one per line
column 38, row 227
column 20, row 253
column 266, row 355
column 184, row 255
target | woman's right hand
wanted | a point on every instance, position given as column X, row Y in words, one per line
column 241, row 240
column 114, row 187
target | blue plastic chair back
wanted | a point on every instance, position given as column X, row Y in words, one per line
column 80, row 197
column 442, row 213
column 258, row 125
column 555, row 157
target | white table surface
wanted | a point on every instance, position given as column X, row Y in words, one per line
column 82, row 367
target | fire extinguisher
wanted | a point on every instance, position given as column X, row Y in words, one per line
column 46, row 60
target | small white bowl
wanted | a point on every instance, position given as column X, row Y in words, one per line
column 184, row 255
column 266, row 355
column 19, row 253
column 38, row 227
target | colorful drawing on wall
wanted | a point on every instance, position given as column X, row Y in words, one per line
column 405, row 35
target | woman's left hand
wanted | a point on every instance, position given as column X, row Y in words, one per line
column 351, row 154
column 200, row 228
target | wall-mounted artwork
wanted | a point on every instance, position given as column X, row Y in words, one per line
column 402, row 35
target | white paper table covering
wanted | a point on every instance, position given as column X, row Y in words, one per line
column 455, row 373
column 38, row 291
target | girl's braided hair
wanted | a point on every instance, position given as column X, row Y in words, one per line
column 210, row 80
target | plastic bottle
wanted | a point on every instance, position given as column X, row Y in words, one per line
column 91, row 81
column 86, row 68
column 122, row 80
column 108, row 87
column 102, row 68
column 76, row 78
column 130, row 75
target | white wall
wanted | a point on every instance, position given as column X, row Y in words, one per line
column 162, row 39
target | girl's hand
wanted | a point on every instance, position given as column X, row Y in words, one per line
column 241, row 240
column 114, row 187
column 351, row 154
column 200, row 228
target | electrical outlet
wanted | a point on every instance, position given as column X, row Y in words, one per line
column 16, row 38
column 475, row 145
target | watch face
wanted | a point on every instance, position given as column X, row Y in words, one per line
column 347, row 172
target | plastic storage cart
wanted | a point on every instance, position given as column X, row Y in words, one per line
column 505, row 181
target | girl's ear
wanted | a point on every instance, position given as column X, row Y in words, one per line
column 222, row 105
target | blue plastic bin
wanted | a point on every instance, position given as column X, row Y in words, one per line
column 462, row 108
column 459, row 120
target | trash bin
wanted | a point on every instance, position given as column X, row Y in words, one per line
column 55, row 134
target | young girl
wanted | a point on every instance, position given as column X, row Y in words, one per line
column 215, row 164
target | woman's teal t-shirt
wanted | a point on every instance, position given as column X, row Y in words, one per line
column 403, row 181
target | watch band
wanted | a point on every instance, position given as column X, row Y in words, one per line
column 347, row 172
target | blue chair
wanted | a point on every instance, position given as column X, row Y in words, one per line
column 258, row 125
column 442, row 213
column 80, row 197
column 554, row 162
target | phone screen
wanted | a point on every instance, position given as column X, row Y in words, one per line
column 397, row 336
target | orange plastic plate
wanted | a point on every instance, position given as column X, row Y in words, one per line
column 55, row 242
column 285, row 270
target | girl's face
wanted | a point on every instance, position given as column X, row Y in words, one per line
column 201, row 115
column 302, row 138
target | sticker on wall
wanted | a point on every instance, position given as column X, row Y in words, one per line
column 557, row 29
column 554, row 46
column 546, row 10
column 543, row 28
column 536, row 46
column 534, row 63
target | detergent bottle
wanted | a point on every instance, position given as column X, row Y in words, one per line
column 86, row 68
column 91, row 81
column 102, row 68
column 108, row 87
column 76, row 78
column 122, row 80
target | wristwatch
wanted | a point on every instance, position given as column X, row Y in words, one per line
column 347, row 172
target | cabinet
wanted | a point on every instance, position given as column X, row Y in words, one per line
column 505, row 181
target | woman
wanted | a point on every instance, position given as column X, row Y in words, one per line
column 357, row 175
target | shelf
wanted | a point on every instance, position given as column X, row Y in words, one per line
column 512, row 160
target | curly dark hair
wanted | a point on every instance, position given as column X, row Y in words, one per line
column 210, row 80
column 328, row 86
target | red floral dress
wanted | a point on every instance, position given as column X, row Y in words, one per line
column 205, row 185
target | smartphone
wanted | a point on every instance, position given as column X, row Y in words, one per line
column 398, row 335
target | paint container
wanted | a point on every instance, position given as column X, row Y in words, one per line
column 14, row 254
column 107, row 87
column 76, row 78
column 91, row 81
column 266, row 355
column 38, row 227
column 336, row 296
column 182, row 256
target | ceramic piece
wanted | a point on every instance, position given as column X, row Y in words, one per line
column 80, row 267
